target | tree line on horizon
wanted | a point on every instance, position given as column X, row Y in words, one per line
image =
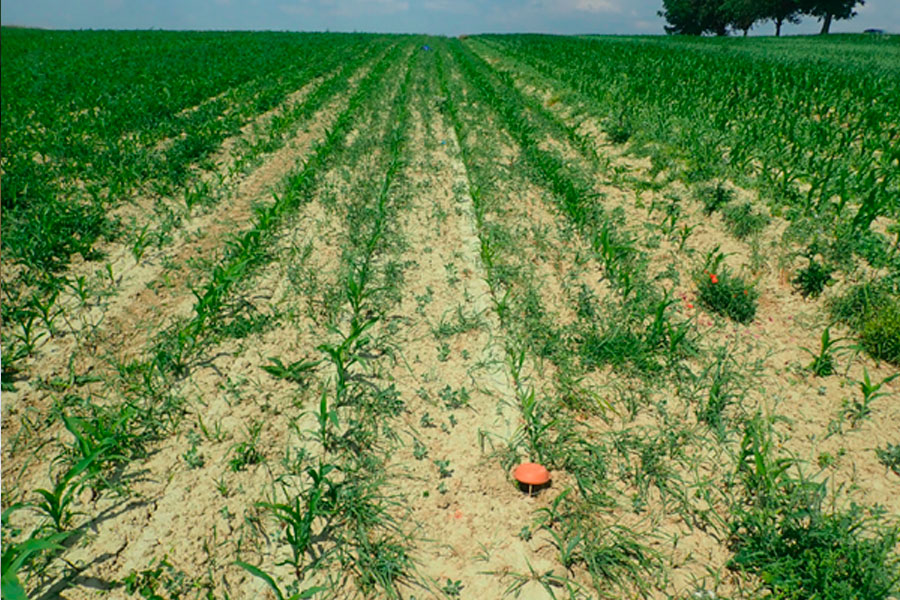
column 696, row 17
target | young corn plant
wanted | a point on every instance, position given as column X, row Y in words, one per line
column 318, row 502
column 17, row 555
column 301, row 595
column 857, row 410
column 99, row 443
column 326, row 416
column 346, row 354
column 56, row 503
column 823, row 363
column 537, row 425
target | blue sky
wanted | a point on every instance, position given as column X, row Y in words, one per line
column 448, row 17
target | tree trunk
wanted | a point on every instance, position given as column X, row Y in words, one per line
column 826, row 24
column 746, row 31
column 778, row 27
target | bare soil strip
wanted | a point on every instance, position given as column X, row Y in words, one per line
column 455, row 381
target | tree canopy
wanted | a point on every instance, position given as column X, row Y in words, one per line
column 697, row 17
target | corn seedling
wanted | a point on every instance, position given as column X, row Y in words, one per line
column 56, row 503
column 18, row 554
column 326, row 417
column 857, row 410
column 301, row 595
column 319, row 501
column 346, row 354
column 823, row 362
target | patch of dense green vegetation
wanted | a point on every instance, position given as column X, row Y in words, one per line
column 89, row 116
column 777, row 117
column 873, row 311
column 784, row 533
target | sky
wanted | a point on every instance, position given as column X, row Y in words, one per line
column 442, row 17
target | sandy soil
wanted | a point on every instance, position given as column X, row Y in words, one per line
column 465, row 519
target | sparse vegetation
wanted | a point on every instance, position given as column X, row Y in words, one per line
column 291, row 326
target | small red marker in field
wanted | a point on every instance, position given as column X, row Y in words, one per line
column 530, row 476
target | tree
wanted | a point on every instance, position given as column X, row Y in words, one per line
column 781, row 11
column 695, row 17
column 742, row 14
column 827, row 10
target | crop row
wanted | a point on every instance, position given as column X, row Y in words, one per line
column 829, row 138
column 83, row 135
column 819, row 140
column 340, row 515
column 38, row 290
column 768, row 492
column 110, row 434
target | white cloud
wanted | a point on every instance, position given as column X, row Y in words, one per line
column 642, row 26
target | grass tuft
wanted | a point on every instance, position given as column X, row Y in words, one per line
column 874, row 312
column 728, row 294
column 811, row 280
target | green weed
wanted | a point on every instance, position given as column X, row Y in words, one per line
column 889, row 456
column 452, row 588
column 727, row 294
column 880, row 334
column 247, row 453
column 192, row 457
column 714, row 197
column 782, row 533
column 297, row 372
column 444, row 470
column 742, row 220
column 618, row 127
column 162, row 578
column 812, row 279
column 724, row 380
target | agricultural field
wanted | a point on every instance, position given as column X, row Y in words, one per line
column 282, row 312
